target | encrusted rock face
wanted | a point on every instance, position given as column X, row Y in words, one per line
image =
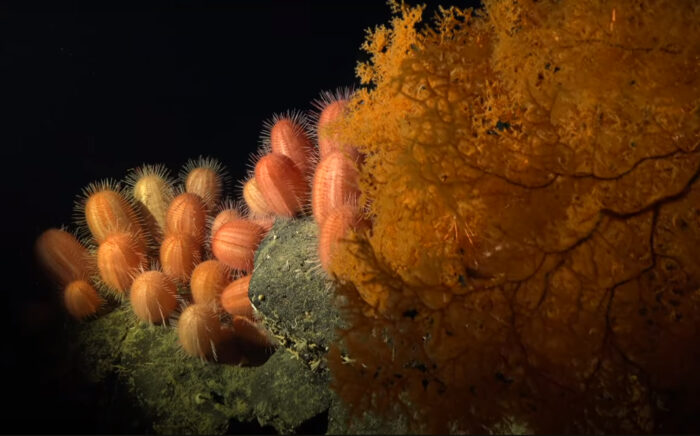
column 291, row 294
column 147, row 384
column 142, row 373
column 531, row 177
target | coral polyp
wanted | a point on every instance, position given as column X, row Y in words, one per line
column 336, row 225
column 226, row 213
column 332, row 109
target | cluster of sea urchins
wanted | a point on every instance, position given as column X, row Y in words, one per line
column 204, row 246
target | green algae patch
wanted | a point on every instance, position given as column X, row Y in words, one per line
column 291, row 293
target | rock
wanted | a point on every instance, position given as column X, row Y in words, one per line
column 291, row 293
column 147, row 384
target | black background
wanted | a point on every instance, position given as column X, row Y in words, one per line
column 93, row 89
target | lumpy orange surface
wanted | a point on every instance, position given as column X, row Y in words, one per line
column 530, row 175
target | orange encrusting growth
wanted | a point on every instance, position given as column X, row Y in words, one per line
column 179, row 253
column 81, row 299
column 153, row 296
column 282, row 184
column 119, row 258
column 518, row 163
column 234, row 244
column 208, row 279
column 62, row 256
column 234, row 298
column 199, row 330
column 335, row 183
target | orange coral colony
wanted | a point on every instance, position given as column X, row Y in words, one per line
column 531, row 175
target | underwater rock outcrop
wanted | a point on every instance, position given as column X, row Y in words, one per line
column 171, row 393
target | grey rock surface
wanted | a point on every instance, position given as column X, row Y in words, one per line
column 291, row 294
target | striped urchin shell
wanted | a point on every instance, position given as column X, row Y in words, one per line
column 234, row 244
column 187, row 214
column 234, row 298
column 179, row 253
column 335, row 184
column 81, row 299
column 153, row 296
column 199, row 330
column 208, row 279
column 119, row 257
column 334, row 228
column 62, row 256
column 282, row 184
